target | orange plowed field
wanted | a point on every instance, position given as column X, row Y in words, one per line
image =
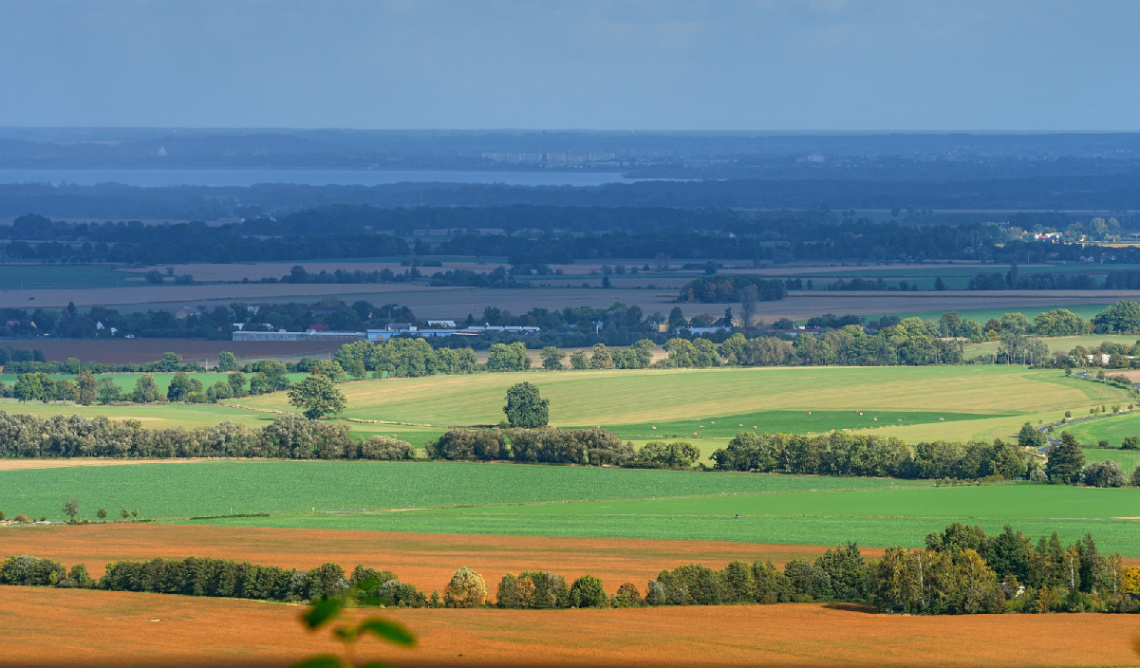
column 425, row 560
column 91, row 628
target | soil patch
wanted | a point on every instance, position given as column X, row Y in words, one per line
column 92, row 628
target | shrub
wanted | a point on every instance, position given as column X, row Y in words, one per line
column 23, row 519
column 384, row 448
column 483, row 444
column 1130, row 443
column 587, row 592
column 466, row 590
column 31, row 571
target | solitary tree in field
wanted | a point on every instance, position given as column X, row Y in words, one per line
column 102, row 514
column 525, row 408
column 316, row 396
column 71, row 508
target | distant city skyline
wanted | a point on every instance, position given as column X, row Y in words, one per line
column 818, row 66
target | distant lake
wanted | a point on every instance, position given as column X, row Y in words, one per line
column 151, row 178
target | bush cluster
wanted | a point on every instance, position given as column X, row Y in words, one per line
column 289, row 436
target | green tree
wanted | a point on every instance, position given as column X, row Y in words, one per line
column 580, row 360
column 1065, row 460
column 1029, row 437
column 227, row 362
column 71, row 509
column 1123, row 317
column 1014, row 323
column 467, row 589
column 182, row 386
column 237, row 383
column 30, row 387
column 587, row 592
column 552, row 359
column 146, row 390
column 107, row 391
column 101, row 513
column 87, row 388
column 169, row 362
column 316, row 396
column 508, row 357
column 949, row 324
column 525, row 408
column 602, row 357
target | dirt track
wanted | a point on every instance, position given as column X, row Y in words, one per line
column 92, row 628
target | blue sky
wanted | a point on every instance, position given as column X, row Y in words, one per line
column 837, row 65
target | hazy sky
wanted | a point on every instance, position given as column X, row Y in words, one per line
column 654, row 64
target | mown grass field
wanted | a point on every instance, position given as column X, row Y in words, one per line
column 1128, row 459
column 953, row 402
column 27, row 276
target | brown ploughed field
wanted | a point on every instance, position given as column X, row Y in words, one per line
column 93, row 628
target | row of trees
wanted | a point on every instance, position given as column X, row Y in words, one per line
column 289, row 436
column 960, row 571
column 844, row 453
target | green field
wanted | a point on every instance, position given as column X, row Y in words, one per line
column 208, row 488
column 1112, row 428
column 1061, row 344
column 1128, row 459
column 512, row 499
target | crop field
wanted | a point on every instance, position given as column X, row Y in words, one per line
column 951, row 402
column 887, row 516
column 520, row 500
column 30, row 276
column 128, row 629
column 165, row 490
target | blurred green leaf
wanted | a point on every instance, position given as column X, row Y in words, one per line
column 321, row 612
column 345, row 633
column 390, row 631
column 376, row 664
column 321, row 661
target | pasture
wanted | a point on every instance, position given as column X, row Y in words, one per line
column 1056, row 344
column 1111, row 428
column 952, row 402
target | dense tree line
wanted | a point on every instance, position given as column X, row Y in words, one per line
column 289, row 436
column 960, row 571
column 732, row 289
column 844, row 453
